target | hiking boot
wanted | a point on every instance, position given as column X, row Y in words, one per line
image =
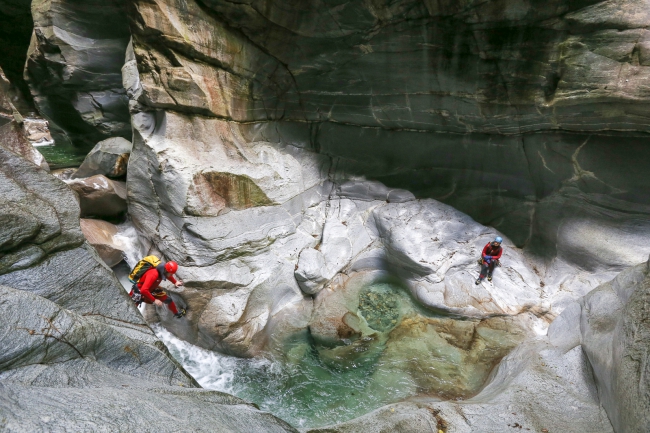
column 478, row 282
column 490, row 278
column 181, row 313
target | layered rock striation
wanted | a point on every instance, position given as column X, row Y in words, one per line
column 509, row 112
column 73, row 69
column 257, row 125
column 290, row 156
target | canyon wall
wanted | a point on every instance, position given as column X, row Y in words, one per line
column 287, row 154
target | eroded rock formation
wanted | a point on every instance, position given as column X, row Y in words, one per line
column 73, row 69
column 510, row 112
column 72, row 336
column 290, row 155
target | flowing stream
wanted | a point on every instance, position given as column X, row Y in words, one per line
column 63, row 156
column 305, row 394
column 406, row 352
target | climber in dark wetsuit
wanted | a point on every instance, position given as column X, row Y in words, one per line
column 490, row 258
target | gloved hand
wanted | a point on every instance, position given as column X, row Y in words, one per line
column 488, row 257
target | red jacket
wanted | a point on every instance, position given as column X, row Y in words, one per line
column 489, row 250
column 150, row 282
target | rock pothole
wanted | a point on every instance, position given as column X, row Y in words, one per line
column 380, row 307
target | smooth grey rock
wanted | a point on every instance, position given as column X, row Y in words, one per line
column 564, row 331
column 615, row 338
column 73, row 69
column 312, row 272
column 100, row 196
column 98, row 376
column 109, row 158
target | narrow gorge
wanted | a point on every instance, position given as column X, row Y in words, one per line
column 326, row 174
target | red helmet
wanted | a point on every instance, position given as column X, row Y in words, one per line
column 171, row 267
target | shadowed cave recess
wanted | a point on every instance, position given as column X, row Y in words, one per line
column 326, row 174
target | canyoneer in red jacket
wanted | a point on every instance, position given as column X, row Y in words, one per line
column 151, row 293
column 490, row 258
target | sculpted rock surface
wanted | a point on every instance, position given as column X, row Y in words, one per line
column 73, row 69
column 547, row 383
column 100, row 196
column 511, row 112
column 244, row 207
column 258, row 124
column 108, row 158
column 615, row 336
column 73, row 336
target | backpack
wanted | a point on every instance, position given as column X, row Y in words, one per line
column 143, row 266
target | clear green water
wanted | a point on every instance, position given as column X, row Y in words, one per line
column 404, row 351
column 305, row 394
column 62, row 156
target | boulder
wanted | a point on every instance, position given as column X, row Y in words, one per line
column 311, row 271
column 108, row 158
column 37, row 131
column 100, row 196
column 101, row 235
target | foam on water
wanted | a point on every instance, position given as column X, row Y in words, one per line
column 128, row 240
